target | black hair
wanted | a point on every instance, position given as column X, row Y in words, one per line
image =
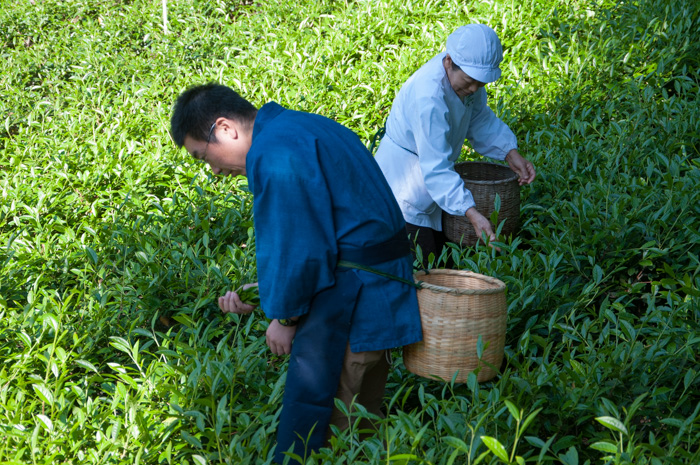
column 197, row 108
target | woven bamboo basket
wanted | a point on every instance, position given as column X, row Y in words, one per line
column 485, row 180
column 456, row 308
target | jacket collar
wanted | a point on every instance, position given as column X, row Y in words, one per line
column 266, row 113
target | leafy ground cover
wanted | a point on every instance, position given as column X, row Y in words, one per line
column 114, row 245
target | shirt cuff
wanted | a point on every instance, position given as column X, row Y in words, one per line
column 286, row 315
column 500, row 154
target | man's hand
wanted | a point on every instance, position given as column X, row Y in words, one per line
column 481, row 224
column 279, row 338
column 522, row 167
column 231, row 302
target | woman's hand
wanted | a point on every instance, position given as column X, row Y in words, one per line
column 481, row 224
column 521, row 166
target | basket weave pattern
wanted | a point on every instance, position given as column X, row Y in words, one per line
column 456, row 308
column 484, row 181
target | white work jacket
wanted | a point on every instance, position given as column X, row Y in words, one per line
column 425, row 131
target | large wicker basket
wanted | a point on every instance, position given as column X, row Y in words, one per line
column 456, row 308
column 485, row 180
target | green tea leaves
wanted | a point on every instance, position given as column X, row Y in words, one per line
column 249, row 295
column 115, row 245
column 496, row 448
column 612, row 423
column 43, row 393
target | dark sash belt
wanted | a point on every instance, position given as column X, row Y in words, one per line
column 318, row 352
column 397, row 247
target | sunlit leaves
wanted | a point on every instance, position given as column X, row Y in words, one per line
column 114, row 246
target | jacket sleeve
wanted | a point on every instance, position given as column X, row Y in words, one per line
column 487, row 134
column 296, row 247
column 436, row 158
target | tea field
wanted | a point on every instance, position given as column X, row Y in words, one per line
column 114, row 244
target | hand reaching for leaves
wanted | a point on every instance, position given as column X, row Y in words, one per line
column 524, row 168
column 481, row 225
column 242, row 301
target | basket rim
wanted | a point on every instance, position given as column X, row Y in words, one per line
column 512, row 178
column 500, row 285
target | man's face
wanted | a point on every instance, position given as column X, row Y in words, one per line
column 227, row 154
column 462, row 84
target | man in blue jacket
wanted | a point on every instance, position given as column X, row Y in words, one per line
column 439, row 106
column 319, row 198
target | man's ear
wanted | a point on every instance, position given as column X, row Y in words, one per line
column 229, row 127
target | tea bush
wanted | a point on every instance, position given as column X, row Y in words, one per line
column 114, row 244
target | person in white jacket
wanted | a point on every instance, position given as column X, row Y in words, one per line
column 439, row 106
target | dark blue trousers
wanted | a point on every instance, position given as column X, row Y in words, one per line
column 315, row 365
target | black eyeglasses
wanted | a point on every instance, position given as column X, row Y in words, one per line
column 211, row 131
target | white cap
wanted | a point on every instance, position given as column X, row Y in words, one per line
column 476, row 49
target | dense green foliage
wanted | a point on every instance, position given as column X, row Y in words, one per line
column 114, row 244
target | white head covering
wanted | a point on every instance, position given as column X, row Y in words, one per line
column 476, row 49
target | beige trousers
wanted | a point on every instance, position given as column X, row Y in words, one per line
column 364, row 375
